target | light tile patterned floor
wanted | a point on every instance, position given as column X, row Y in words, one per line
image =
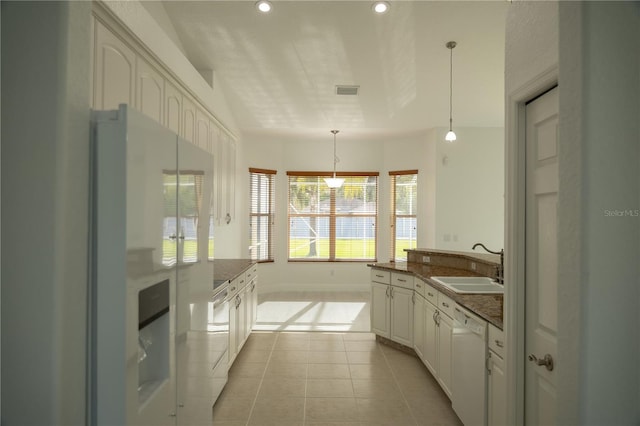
column 313, row 378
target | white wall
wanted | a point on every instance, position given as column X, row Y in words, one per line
column 610, row 246
column 531, row 61
column 479, row 153
column 470, row 189
column 45, row 153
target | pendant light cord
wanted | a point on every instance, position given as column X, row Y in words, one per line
column 451, row 88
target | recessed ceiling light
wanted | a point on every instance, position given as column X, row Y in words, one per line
column 263, row 6
column 380, row 6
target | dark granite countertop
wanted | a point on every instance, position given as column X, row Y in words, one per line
column 229, row 269
column 487, row 306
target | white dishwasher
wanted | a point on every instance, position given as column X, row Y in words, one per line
column 468, row 387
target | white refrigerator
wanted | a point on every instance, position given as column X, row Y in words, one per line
column 152, row 274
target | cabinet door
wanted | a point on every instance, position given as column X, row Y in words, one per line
column 445, row 345
column 430, row 338
column 254, row 304
column 114, row 71
column 202, row 129
column 230, row 201
column 402, row 315
column 380, row 309
column 233, row 329
column 496, row 391
column 188, row 119
column 149, row 90
column 419, row 325
column 241, row 320
column 172, row 108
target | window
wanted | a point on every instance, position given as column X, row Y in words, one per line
column 332, row 224
column 185, row 190
column 404, row 193
column 261, row 192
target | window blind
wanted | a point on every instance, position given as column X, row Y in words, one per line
column 404, row 203
column 261, row 220
column 331, row 225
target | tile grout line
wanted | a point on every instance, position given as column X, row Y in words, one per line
column 397, row 383
column 264, row 373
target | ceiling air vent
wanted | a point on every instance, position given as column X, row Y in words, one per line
column 347, row 90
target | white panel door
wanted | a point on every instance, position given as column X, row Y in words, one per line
column 541, row 258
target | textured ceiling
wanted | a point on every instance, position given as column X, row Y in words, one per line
column 279, row 70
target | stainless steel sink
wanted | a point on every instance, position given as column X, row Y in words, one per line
column 470, row 285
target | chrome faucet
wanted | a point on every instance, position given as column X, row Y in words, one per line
column 499, row 269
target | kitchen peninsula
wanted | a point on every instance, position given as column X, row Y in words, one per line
column 427, row 263
column 457, row 335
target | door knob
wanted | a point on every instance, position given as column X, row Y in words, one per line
column 547, row 361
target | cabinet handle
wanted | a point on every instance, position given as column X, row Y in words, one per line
column 438, row 318
column 430, row 294
column 387, row 292
column 233, row 289
column 392, row 292
column 445, row 304
column 499, row 343
column 379, row 276
column 434, row 317
column 413, row 298
column 402, row 280
column 418, row 286
column 227, row 218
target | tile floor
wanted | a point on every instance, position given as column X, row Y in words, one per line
column 314, row 378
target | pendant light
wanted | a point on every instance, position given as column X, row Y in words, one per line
column 334, row 182
column 451, row 136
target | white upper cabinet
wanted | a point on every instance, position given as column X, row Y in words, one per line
column 114, row 70
column 173, row 108
column 188, row 119
column 149, row 91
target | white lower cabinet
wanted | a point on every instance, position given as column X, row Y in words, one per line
column 496, row 379
column 445, row 341
column 402, row 315
column 419, row 332
column 437, row 340
column 380, row 303
column 392, row 306
column 243, row 307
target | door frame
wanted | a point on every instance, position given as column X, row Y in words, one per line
column 514, row 231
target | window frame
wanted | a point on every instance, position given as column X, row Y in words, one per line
column 333, row 216
column 394, row 216
column 270, row 175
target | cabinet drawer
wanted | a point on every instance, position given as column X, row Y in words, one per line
column 496, row 340
column 402, row 280
column 237, row 284
column 419, row 286
column 431, row 294
column 251, row 273
column 445, row 304
column 380, row 276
